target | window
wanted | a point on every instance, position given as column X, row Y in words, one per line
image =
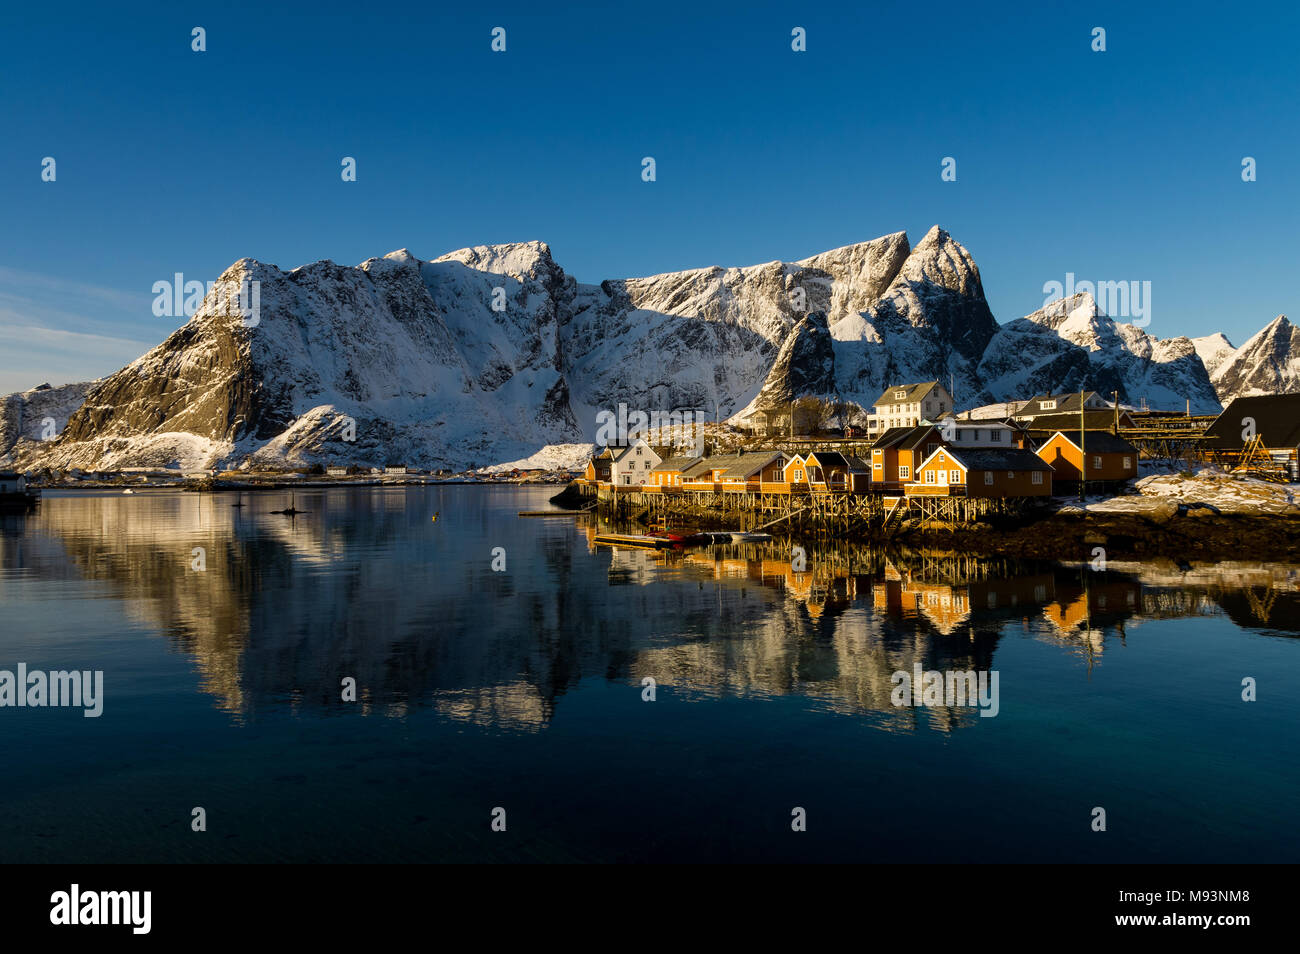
column 877, row 465
column 1096, row 463
column 1011, row 475
column 995, row 437
column 638, row 452
column 954, row 477
column 1049, row 405
column 798, row 476
column 929, row 476
column 988, row 478
column 904, row 472
column 899, row 395
column 930, row 449
column 1128, row 463
column 626, row 479
column 1038, row 477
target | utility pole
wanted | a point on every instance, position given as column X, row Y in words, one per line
column 1083, row 452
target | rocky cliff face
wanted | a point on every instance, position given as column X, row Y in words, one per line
column 1269, row 363
column 804, row 367
column 487, row 353
column 28, row 419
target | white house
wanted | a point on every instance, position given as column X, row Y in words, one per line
column 630, row 466
column 907, row 405
column 977, row 433
column 12, row 483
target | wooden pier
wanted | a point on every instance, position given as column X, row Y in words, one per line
column 829, row 513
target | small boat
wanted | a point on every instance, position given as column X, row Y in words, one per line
column 645, row 542
column 707, row 537
column 750, row 537
column 673, row 538
column 291, row 510
column 128, row 491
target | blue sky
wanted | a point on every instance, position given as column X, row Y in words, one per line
column 1122, row 165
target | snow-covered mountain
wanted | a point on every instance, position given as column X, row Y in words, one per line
column 1269, row 363
column 1214, row 350
column 486, row 354
column 1071, row 344
column 30, row 417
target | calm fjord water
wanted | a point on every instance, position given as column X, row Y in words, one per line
column 522, row 689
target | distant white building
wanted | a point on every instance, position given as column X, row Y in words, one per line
column 630, row 466
column 397, row 471
column 336, row 471
column 907, row 405
column 958, row 433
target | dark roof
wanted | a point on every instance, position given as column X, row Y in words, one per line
column 1099, row 420
column 857, row 463
column 1069, row 401
column 897, row 435
column 1276, row 417
column 998, row 458
column 914, row 392
column 747, row 463
column 1099, row 442
column 918, row 436
column 9, row 475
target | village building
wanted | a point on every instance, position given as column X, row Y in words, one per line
column 981, row 472
column 12, row 482
column 795, row 472
column 1069, row 402
column 336, row 471
column 1265, row 426
column 631, row 465
column 979, row 433
column 706, row 473
column 397, row 470
column 668, row 474
column 1110, row 458
column 628, row 465
column 750, row 471
column 906, row 405
column 1041, row 428
column 597, row 469
column 828, row 470
column 898, row 452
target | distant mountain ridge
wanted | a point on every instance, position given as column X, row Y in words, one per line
column 487, row 353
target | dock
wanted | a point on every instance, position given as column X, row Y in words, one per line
column 633, row 540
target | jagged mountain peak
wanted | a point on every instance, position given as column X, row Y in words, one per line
column 489, row 351
column 1268, row 363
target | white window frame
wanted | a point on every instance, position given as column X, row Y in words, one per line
column 1037, row 478
column 988, row 478
column 929, row 477
column 1128, row 463
column 904, row 472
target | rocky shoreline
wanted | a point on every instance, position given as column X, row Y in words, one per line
column 1181, row 533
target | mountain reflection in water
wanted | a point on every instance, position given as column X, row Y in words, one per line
column 366, row 585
